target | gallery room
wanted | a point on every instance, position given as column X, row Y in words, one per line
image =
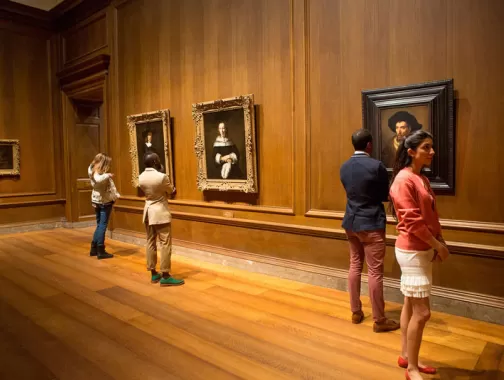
column 251, row 189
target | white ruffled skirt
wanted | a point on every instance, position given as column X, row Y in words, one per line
column 416, row 272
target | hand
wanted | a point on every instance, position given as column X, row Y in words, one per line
column 111, row 175
column 174, row 190
column 224, row 158
column 229, row 161
column 443, row 252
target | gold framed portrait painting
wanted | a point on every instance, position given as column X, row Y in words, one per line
column 150, row 133
column 10, row 158
column 225, row 144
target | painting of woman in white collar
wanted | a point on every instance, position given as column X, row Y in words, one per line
column 226, row 155
column 151, row 140
column 225, row 145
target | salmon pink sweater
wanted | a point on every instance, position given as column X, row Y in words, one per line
column 415, row 205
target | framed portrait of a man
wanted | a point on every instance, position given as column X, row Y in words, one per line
column 393, row 113
column 150, row 133
column 225, row 144
column 10, row 159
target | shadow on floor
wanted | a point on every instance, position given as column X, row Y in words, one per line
column 446, row 373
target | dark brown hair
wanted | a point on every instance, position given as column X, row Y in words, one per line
column 403, row 159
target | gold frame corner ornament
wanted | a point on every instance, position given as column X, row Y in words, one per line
column 16, row 159
column 132, row 121
column 248, row 185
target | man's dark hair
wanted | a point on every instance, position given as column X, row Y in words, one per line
column 361, row 138
column 151, row 160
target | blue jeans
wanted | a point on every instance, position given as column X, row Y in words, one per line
column 102, row 219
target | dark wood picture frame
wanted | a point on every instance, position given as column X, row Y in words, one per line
column 438, row 97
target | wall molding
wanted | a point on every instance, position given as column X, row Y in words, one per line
column 23, row 14
column 222, row 206
column 32, row 194
column 463, row 303
column 102, row 15
column 458, row 248
column 453, row 224
column 42, row 202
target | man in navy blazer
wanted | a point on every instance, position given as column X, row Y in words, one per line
column 366, row 184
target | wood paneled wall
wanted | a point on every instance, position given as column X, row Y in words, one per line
column 29, row 112
column 306, row 62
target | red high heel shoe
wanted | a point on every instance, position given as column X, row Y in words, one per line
column 403, row 363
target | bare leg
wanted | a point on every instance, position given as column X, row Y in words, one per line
column 420, row 316
column 406, row 314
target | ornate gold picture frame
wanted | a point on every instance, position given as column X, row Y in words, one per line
column 150, row 132
column 10, row 158
column 225, row 144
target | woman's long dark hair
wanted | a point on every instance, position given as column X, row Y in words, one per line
column 403, row 159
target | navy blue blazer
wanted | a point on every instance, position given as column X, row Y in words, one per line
column 367, row 186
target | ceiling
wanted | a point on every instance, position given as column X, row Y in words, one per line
column 45, row 5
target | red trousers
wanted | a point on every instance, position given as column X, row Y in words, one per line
column 369, row 245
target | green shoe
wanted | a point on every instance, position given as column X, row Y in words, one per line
column 155, row 278
column 170, row 281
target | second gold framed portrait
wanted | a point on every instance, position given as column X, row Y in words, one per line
column 225, row 144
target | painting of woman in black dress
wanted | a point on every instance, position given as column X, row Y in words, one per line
column 225, row 145
column 226, row 155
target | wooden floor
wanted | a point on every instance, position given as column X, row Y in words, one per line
column 64, row 315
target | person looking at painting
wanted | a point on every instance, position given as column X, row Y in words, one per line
column 226, row 154
column 419, row 244
column 103, row 196
column 402, row 123
column 157, row 219
column 366, row 184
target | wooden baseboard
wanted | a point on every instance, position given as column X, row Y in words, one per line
column 452, row 301
column 40, row 225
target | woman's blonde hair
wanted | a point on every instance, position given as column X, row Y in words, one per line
column 101, row 163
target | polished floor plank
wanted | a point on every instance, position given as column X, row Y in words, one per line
column 449, row 341
column 53, row 353
column 17, row 363
column 106, row 320
column 90, row 343
column 293, row 364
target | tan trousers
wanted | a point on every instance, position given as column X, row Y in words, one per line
column 163, row 231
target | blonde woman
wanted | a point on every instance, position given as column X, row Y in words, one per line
column 103, row 197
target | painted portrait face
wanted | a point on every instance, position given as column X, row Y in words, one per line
column 222, row 130
column 149, row 137
column 402, row 130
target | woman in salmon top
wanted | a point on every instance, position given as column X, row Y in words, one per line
column 419, row 243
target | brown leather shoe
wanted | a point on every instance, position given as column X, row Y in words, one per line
column 386, row 326
column 357, row 317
